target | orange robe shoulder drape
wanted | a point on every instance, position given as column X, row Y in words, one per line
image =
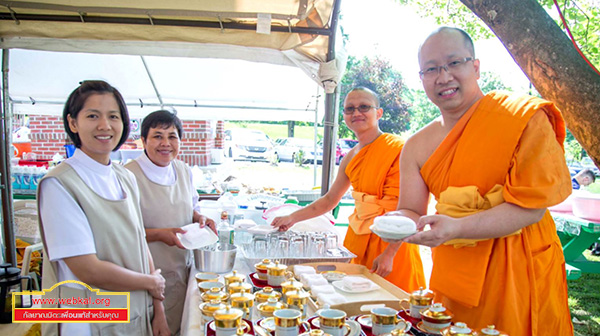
column 517, row 282
column 375, row 176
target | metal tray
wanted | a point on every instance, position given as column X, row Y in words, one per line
column 344, row 257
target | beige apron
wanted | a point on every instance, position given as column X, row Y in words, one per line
column 119, row 238
column 167, row 207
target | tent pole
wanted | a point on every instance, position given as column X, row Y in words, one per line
column 331, row 105
column 8, row 236
column 152, row 81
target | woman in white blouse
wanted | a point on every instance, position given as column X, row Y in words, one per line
column 169, row 201
column 91, row 220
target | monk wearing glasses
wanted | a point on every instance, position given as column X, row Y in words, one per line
column 494, row 163
column 372, row 169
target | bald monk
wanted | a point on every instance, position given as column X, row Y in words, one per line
column 494, row 163
column 372, row 168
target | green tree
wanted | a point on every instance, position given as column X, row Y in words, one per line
column 378, row 75
column 421, row 110
column 536, row 38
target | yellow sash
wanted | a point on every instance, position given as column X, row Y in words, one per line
column 367, row 208
column 460, row 202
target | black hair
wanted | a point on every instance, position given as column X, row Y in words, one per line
column 369, row 91
column 77, row 100
column 161, row 118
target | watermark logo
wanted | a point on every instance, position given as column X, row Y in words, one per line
column 88, row 305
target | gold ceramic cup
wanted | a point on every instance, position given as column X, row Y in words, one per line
column 385, row 319
column 207, row 285
column 288, row 321
column 227, row 321
column 333, row 322
column 419, row 300
column 206, row 276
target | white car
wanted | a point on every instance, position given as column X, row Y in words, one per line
column 286, row 149
column 247, row 144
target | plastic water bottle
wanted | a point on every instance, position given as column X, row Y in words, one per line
column 26, row 179
column 225, row 230
column 17, row 176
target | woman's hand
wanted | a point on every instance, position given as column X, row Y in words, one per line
column 166, row 235
column 157, row 288
column 283, row 223
column 160, row 326
column 205, row 221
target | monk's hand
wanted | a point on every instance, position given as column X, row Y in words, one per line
column 282, row 223
column 383, row 264
column 160, row 327
column 157, row 287
column 205, row 221
column 441, row 229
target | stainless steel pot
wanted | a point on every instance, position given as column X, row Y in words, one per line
column 218, row 258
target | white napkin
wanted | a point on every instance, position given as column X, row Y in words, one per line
column 300, row 269
column 356, row 283
column 395, row 224
column 313, row 280
column 330, row 299
column 322, row 289
column 196, row 237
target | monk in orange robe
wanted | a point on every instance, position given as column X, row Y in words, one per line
column 494, row 163
column 372, row 169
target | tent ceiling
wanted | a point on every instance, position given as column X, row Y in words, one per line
column 196, row 88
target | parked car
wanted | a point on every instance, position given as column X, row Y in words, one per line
column 343, row 146
column 247, row 144
column 286, row 149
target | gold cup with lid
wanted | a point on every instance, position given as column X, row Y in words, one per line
column 418, row 300
column 227, row 320
column 276, row 274
column 244, row 301
column 436, row 317
column 458, row 329
column 261, row 268
column 209, row 308
column 214, row 293
column 298, row 300
column 291, row 284
column 491, row 330
column 233, row 277
column 266, row 293
column 266, row 309
column 236, row 287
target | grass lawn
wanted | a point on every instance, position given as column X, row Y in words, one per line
column 584, row 302
column 277, row 131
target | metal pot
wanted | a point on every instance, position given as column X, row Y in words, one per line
column 217, row 258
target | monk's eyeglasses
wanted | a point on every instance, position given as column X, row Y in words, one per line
column 452, row 67
column 360, row 108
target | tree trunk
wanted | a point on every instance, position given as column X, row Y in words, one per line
column 547, row 56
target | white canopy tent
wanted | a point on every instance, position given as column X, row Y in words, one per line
column 300, row 33
column 197, row 88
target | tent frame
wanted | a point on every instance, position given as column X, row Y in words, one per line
column 331, row 96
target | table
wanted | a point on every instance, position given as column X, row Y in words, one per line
column 576, row 235
column 190, row 322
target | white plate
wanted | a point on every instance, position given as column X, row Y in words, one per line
column 340, row 285
column 268, row 323
column 196, row 237
column 390, row 235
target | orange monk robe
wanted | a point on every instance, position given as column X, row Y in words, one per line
column 375, row 176
column 517, row 282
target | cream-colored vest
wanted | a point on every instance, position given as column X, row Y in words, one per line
column 168, row 206
column 119, row 238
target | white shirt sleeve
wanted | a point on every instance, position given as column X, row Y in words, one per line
column 193, row 191
column 66, row 228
